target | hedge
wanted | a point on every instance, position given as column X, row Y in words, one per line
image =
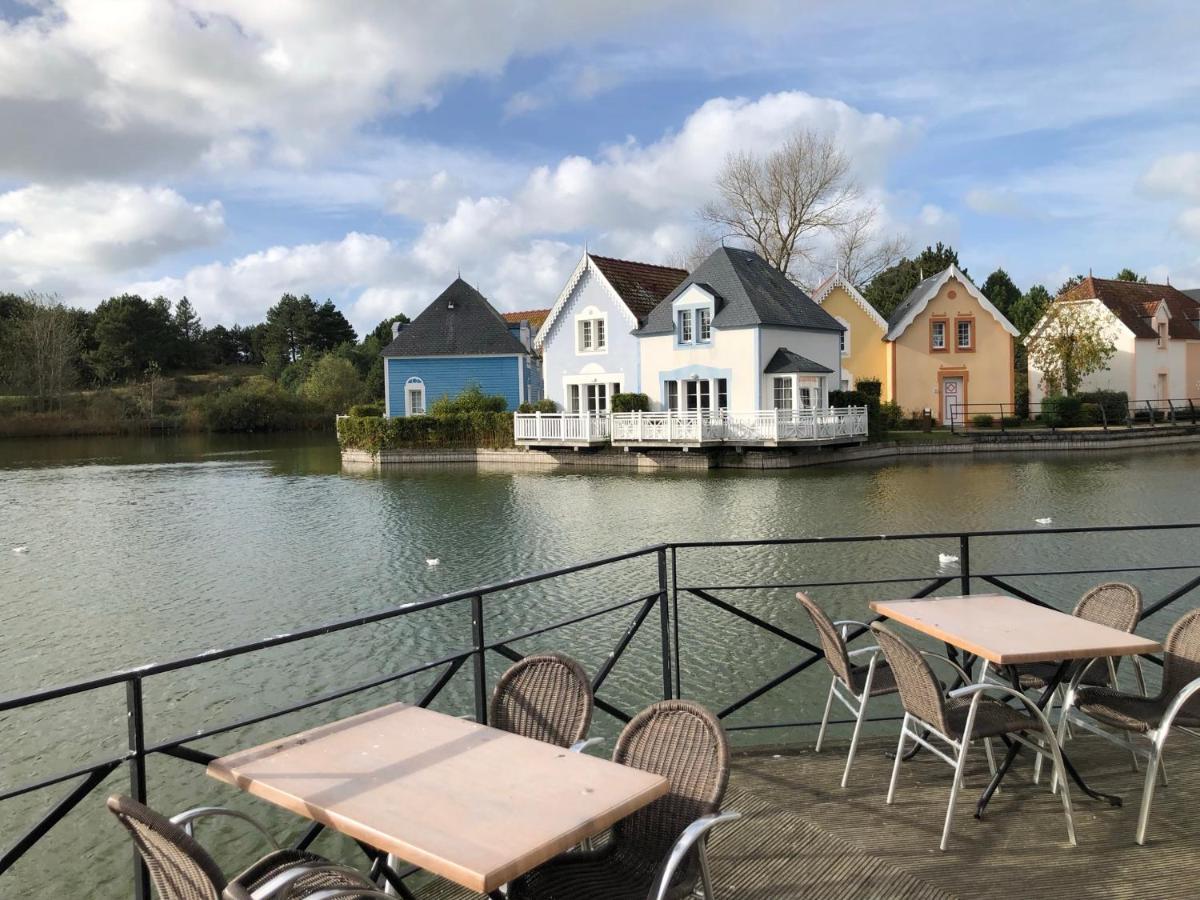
column 1114, row 404
column 493, row 430
column 622, row 403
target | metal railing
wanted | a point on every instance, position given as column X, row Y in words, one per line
column 1003, row 417
column 660, row 602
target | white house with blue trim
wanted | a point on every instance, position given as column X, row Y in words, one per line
column 459, row 340
column 587, row 342
column 736, row 334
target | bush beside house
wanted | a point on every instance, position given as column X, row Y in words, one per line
column 472, row 419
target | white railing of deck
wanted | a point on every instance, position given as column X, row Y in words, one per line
column 566, row 428
column 733, row 427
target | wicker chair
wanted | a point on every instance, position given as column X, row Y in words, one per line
column 1119, row 716
column 1115, row 604
column 853, row 684
column 546, row 697
column 658, row 852
column 183, row 870
column 958, row 718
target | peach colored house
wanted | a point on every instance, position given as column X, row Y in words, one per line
column 946, row 347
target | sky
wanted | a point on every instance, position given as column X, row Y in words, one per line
column 368, row 151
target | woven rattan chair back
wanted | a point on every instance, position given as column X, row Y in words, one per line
column 179, row 867
column 831, row 642
column 920, row 691
column 1114, row 604
column 683, row 742
column 546, row 697
column 1181, row 660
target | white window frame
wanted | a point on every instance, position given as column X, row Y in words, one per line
column 686, row 331
column 593, row 322
column 703, row 325
column 958, row 335
column 574, row 393
column 788, row 383
column 411, row 386
column 1164, row 332
column 934, row 327
column 671, row 384
column 845, row 338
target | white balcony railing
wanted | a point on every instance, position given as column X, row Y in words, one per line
column 559, row 428
column 760, row 426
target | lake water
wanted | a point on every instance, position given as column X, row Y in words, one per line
column 143, row 549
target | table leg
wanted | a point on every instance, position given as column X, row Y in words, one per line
column 380, row 867
column 1015, row 748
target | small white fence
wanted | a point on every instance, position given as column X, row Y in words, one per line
column 767, row 426
column 558, row 428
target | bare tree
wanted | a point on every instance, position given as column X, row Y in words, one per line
column 690, row 258
column 785, row 202
column 42, row 350
column 861, row 253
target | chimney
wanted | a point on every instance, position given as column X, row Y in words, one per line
column 397, row 327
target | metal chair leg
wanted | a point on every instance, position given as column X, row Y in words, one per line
column 891, row 794
column 964, row 745
column 705, row 877
column 825, row 717
column 1037, row 763
column 858, row 721
column 1148, row 791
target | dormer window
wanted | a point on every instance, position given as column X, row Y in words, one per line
column 704, row 324
column 694, row 311
column 685, row 327
column 1162, row 335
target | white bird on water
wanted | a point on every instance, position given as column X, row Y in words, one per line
column 946, row 559
column 1045, row 521
column 20, row 549
column 432, row 562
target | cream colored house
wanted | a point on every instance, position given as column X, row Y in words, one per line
column 864, row 351
column 1155, row 331
column 737, row 335
column 950, row 350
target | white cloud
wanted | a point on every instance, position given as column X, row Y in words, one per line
column 998, row 201
column 1189, row 222
column 49, row 234
column 1174, row 176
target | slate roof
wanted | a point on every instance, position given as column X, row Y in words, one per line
column 754, row 293
column 1194, row 293
column 915, row 297
column 460, row 322
column 1135, row 304
column 535, row 317
column 785, row 361
column 641, row 285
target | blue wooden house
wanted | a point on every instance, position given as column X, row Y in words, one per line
column 457, row 341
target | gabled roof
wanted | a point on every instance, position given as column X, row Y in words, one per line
column 837, row 279
column 639, row 286
column 785, row 361
column 1135, row 305
column 754, row 291
column 535, row 317
column 914, row 304
column 460, row 322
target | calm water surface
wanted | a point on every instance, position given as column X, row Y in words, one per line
column 143, row 549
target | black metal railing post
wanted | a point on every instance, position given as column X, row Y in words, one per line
column 665, row 621
column 675, row 622
column 477, row 660
column 964, row 563
column 137, row 774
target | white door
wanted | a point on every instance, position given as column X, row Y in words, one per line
column 952, row 398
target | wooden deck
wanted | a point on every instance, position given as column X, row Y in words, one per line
column 804, row 837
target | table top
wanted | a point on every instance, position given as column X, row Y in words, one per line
column 473, row 804
column 1007, row 631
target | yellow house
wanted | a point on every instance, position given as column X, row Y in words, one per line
column 951, row 350
column 946, row 347
column 864, row 353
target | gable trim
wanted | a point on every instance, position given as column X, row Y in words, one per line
column 932, row 291
column 837, row 279
column 584, row 266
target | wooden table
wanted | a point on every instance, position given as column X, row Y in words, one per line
column 1008, row 632
column 470, row 803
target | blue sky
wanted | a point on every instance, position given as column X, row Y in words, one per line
column 368, row 151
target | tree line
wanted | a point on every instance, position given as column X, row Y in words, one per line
column 48, row 348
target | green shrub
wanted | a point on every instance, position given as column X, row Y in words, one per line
column 1011, row 421
column 454, row 430
column 472, row 399
column 260, row 405
column 545, row 405
column 333, row 385
column 891, row 416
column 1061, row 411
column 871, row 387
column 848, row 398
column 360, row 410
column 1114, row 405
column 983, row 420
column 622, row 403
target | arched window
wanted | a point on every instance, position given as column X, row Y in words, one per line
column 414, row 397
